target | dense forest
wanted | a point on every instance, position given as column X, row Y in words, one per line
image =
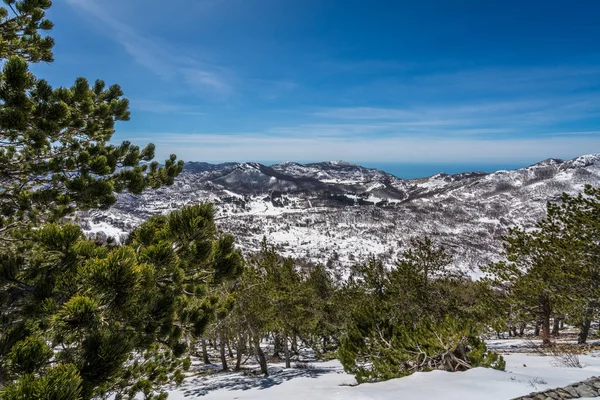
column 82, row 320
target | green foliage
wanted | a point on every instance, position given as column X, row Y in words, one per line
column 416, row 317
column 576, row 219
column 29, row 355
column 450, row 344
column 55, row 155
column 329, row 308
column 272, row 296
column 553, row 271
column 20, row 25
column 121, row 316
column 479, row 356
column 58, row 383
column 79, row 320
column 384, row 323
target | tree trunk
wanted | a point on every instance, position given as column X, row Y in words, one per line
column 286, row 351
column 546, row 322
column 229, row 349
column 546, row 331
column 205, row 352
column 537, row 328
column 276, row 344
column 556, row 327
column 522, row 326
column 240, row 351
column 585, row 327
column 295, row 344
column 262, row 361
column 584, row 331
column 223, row 354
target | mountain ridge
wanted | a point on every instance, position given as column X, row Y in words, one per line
column 339, row 213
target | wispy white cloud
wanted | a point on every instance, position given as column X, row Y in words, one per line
column 273, row 89
column 365, row 113
column 257, row 146
column 497, row 131
column 515, row 128
column 577, row 133
column 459, row 114
column 429, row 85
column 159, row 106
column 525, row 116
column 205, row 79
column 471, row 107
column 329, row 130
column 512, row 79
column 162, row 59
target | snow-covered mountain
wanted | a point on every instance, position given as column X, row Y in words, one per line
column 338, row 213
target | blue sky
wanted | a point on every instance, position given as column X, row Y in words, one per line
column 382, row 81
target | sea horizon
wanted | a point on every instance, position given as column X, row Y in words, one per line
column 410, row 170
column 424, row 170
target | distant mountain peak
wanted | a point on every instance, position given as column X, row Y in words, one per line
column 548, row 161
column 287, row 163
column 311, row 211
column 249, row 165
column 340, row 163
column 585, row 160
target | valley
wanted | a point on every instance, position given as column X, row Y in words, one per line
column 340, row 213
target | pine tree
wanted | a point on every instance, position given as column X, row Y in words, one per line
column 55, row 155
column 119, row 320
column 329, row 311
column 415, row 317
column 77, row 319
column 252, row 313
column 578, row 218
column 553, row 270
column 273, row 297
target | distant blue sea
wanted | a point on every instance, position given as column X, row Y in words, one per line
column 423, row 170
column 412, row 170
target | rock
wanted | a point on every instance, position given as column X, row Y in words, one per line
column 586, row 391
column 564, row 394
column 595, row 383
column 571, row 390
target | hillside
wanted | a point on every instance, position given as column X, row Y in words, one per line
column 339, row 213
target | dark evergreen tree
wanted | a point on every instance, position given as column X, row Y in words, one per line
column 414, row 317
column 77, row 319
column 329, row 311
column 55, row 155
column 116, row 320
column 533, row 275
column 553, row 272
column 252, row 313
column 578, row 219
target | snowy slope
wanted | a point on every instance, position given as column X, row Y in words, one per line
column 338, row 213
column 524, row 374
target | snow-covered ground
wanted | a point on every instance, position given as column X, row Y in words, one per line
column 326, row 212
column 525, row 373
